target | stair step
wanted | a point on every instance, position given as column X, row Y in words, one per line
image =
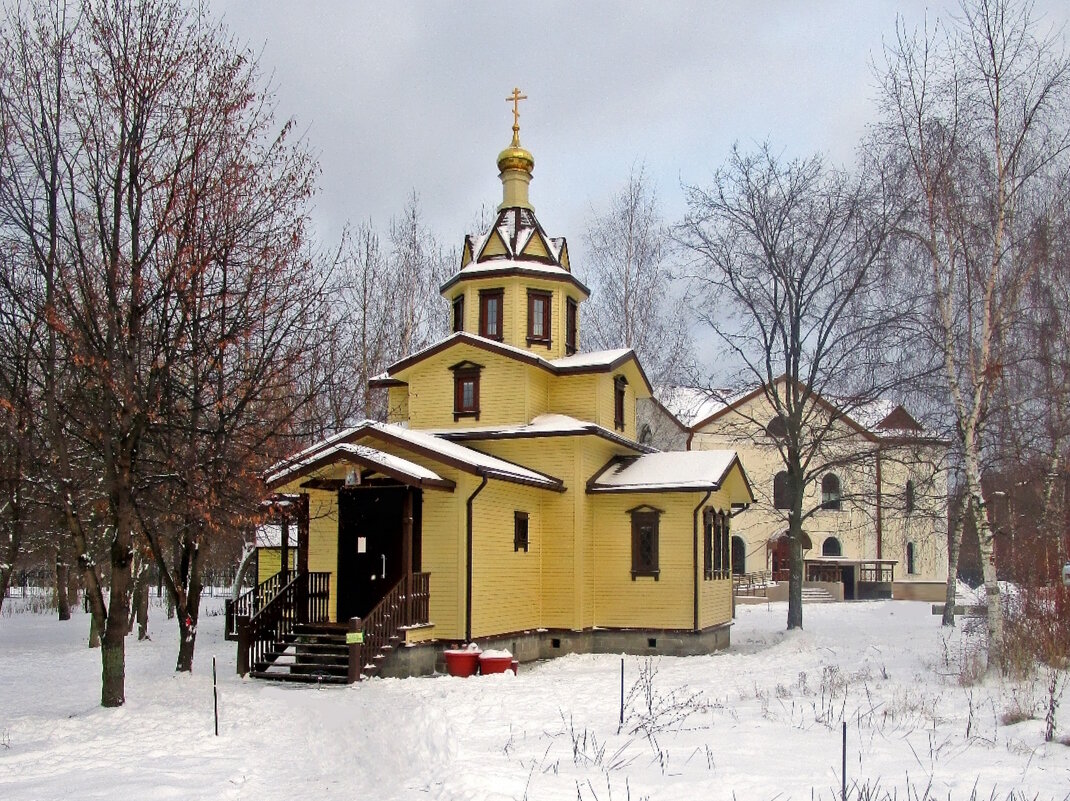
column 303, row 678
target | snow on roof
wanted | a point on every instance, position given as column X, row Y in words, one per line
column 691, row 405
column 680, row 470
column 541, row 425
column 518, row 262
column 597, row 358
column 485, row 464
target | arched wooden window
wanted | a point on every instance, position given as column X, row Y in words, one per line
column 830, row 491
column 780, row 490
column 908, row 499
column 831, row 547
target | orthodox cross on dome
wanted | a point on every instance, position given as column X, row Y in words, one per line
column 515, row 98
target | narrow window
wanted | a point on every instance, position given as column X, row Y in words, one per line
column 718, row 556
column 539, row 317
column 466, row 390
column 830, row 491
column 831, row 547
column 908, row 501
column 619, row 383
column 780, row 491
column 645, row 542
column 520, row 531
column 571, row 313
column 911, row 567
column 739, row 556
column 458, row 313
column 707, row 544
column 490, row 313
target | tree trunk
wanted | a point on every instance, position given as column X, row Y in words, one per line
column 141, row 604
column 187, row 624
column 63, row 603
column 94, row 632
column 986, row 545
column 954, row 544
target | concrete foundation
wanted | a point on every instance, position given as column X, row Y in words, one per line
column 424, row 659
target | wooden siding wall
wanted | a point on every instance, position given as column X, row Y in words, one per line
column 323, row 540
column 269, row 559
column 515, row 310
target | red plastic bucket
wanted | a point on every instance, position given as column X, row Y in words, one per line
column 462, row 663
column 495, row 664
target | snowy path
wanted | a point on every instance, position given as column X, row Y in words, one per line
column 762, row 722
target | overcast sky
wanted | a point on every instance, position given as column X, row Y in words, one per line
column 396, row 97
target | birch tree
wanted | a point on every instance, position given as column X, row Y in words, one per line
column 631, row 302
column 976, row 111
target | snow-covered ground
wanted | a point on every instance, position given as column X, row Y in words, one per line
column 761, row 721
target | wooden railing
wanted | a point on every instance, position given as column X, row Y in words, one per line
column 302, row 600
column 406, row 604
column 751, row 583
column 249, row 603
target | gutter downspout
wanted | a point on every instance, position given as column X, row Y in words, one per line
column 694, row 553
column 468, row 562
column 879, row 509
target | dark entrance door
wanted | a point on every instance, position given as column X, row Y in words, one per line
column 847, row 576
column 370, row 545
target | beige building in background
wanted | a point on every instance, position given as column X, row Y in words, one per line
column 876, row 514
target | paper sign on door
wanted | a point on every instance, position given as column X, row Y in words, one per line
column 362, row 544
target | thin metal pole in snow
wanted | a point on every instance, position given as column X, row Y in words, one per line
column 843, row 766
column 621, row 724
column 215, row 698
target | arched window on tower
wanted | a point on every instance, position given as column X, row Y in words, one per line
column 831, row 547
column 780, row 490
column 830, row 491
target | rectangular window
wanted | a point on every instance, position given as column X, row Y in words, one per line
column 645, row 543
column 539, row 317
column 619, row 383
column 458, row 313
column 490, row 314
column 520, row 531
column 717, row 553
column 466, row 393
column 571, row 312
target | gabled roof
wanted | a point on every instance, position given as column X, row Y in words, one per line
column 595, row 362
column 670, row 471
column 875, row 420
column 344, row 447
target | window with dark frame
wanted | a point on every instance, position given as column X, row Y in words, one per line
column 645, row 542
column 571, row 315
column 780, row 491
column 830, row 492
column 908, row 501
column 458, row 313
column 539, row 317
column 466, row 390
column 490, row 313
column 911, row 567
column 619, row 383
column 717, row 554
column 520, row 531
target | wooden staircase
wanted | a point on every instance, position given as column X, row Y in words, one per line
column 317, row 654
column 277, row 646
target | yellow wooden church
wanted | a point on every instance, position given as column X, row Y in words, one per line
column 506, row 500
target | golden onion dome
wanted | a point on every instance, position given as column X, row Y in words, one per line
column 515, row 157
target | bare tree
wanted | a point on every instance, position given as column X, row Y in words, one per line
column 976, row 112
column 631, row 301
column 787, row 276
